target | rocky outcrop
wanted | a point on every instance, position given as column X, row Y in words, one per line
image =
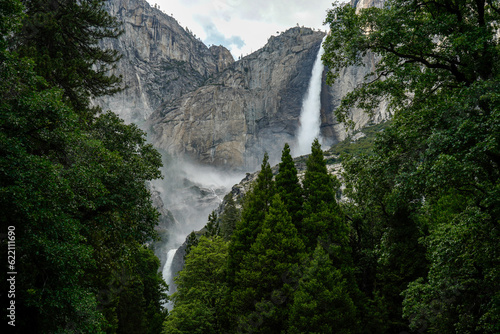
column 254, row 106
column 349, row 79
column 360, row 4
column 161, row 61
column 251, row 107
column 197, row 102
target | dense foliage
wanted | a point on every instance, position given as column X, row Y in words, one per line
column 413, row 247
column 425, row 204
column 72, row 178
column 266, row 273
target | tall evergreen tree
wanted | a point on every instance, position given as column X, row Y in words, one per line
column 200, row 300
column 268, row 274
column 229, row 217
column 323, row 218
column 323, row 301
column 212, row 225
column 62, row 37
column 255, row 206
column 319, row 185
column 288, row 186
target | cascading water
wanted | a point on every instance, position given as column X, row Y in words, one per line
column 191, row 193
column 167, row 273
column 166, row 268
column 310, row 115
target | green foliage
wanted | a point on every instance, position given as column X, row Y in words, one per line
column 362, row 146
column 140, row 307
column 320, row 208
column 424, row 206
column 74, row 191
column 191, row 241
column 199, row 303
column 322, row 302
column 229, row 217
column 319, row 185
column 62, row 37
column 264, row 282
column 459, row 292
column 437, row 47
column 212, row 225
column 288, row 186
column 255, row 206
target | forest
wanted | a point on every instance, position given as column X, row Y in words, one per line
column 404, row 240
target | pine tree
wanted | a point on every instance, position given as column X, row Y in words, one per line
column 288, row 186
column 212, row 224
column 199, row 303
column 319, row 185
column 191, row 242
column 62, row 37
column 229, row 217
column 322, row 302
column 255, row 206
column 268, row 273
column 323, row 218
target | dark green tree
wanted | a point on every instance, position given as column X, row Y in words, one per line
column 255, row 206
column 323, row 301
column 62, row 37
column 212, row 225
column 438, row 68
column 288, row 186
column 200, row 300
column 37, row 200
column 191, row 241
column 75, row 194
column 321, row 211
column 268, row 274
column 229, row 217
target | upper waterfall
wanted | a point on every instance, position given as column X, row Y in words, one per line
column 310, row 115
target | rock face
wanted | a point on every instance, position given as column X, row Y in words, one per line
column 254, row 106
column 251, row 107
column 197, row 102
column 161, row 60
column 360, row 4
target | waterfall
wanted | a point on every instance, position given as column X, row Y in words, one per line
column 310, row 115
column 167, row 273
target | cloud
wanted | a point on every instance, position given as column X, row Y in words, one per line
column 214, row 36
column 243, row 26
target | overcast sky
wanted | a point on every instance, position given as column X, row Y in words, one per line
column 243, row 26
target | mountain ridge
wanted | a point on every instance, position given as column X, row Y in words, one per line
column 197, row 102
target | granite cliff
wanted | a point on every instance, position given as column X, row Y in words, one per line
column 161, row 61
column 197, row 102
column 252, row 106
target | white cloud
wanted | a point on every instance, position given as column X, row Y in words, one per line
column 244, row 26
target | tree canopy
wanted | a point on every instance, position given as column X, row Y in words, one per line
column 434, row 176
column 73, row 182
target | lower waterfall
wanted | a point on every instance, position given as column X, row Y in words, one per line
column 167, row 274
column 310, row 115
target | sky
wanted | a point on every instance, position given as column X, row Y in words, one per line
column 244, row 26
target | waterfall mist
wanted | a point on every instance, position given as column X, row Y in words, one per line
column 310, row 115
column 190, row 192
